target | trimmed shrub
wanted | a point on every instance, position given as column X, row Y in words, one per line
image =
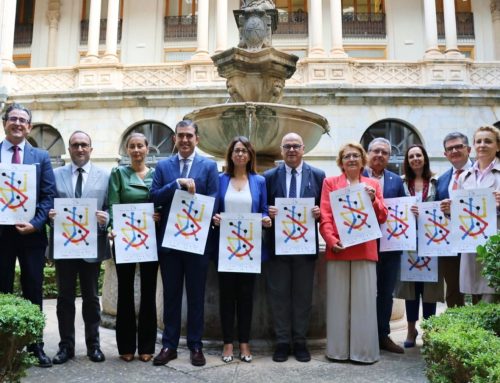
column 21, row 323
column 489, row 256
column 462, row 345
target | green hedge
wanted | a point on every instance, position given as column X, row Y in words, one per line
column 462, row 345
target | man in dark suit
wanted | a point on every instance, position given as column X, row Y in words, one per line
column 290, row 277
column 81, row 179
column 456, row 150
column 196, row 174
column 379, row 151
column 26, row 241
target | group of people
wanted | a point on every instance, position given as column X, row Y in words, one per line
column 361, row 280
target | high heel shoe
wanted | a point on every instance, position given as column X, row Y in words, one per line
column 227, row 358
column 410, row 344
column 246, row 358
column 127, row 357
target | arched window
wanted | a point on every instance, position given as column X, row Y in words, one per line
column 47, row 137
column 159, row 138
column 400, row 134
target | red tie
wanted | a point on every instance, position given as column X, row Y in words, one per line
column 16, row 157
column 455, row 179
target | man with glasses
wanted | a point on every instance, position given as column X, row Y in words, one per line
column 81, row 179
column 26, row 241
column 456, row 150
column 379, row 151
column 290, row 277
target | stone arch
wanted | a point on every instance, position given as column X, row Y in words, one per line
column 47, row 137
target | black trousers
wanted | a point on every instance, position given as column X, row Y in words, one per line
column 236, row 297
column 67, row 271
column 132, row 334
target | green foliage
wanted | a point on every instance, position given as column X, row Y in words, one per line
column 21, row 323
column 489, row 256
column 462, row 345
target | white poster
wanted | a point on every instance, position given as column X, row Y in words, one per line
column 17, row 193
column 434, row 231
column 399, row 232
column 473, row 218
column 418, row 269
column 75, row 228
column 240, row 242
column 188, row 222
column 294, row 226
column 135, row 232
column 354, row 215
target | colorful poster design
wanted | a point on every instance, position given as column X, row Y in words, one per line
column 17, row 193
column 354, row 215
column 434, row 231
column 75, row 228
column 399, row 232
column 473, row 218
column 415, row 268
column 240, row 242
column 295, row 226
column 134, row 227
column 188, row 223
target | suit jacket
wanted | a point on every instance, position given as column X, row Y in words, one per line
column 95, row 187
column 442, row 185
column 45, row 193
column 310, row 187
column 206, row 177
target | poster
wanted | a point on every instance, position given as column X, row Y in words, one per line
column 135, row 232
column 17, row 193
column 418, row 269
column 399, row 232
column 294, row 226
column 434, row 230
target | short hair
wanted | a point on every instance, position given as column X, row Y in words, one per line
column 251, row 165
column 187, row 123
column 408, row 171
column 380, row 140
column 454, row 136
column 492, row 129
column 16, row 106
column 136, row 135
column 79, row 132
column 354, row 145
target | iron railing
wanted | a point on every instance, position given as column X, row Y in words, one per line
column 180, row 27
column 368, row 25
column 465, row 25
column 292, row 23
column 23, row 35
column 84, row 31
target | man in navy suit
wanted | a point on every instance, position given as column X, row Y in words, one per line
column 379, row 151
column 290, row 277
column 456, row 150
column 196, row 174
column 26, row 241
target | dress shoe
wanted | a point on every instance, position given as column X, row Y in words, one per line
column 95, row 355
column 145, row 357
column 63, row 355
column 409, row 343
column 281, row 353
column 165, row 356
column 39, row 354
column 301, row 352
column 388, row 345
column 197, row 357
column 127, row 357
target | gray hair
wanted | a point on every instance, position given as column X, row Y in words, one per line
column 455, row 135
column 380, row 140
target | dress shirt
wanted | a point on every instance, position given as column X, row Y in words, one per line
column 298, row 178
column 85, row 174
column 380, row 179
column 190, row 163
column 7, row 151
column 466, row 167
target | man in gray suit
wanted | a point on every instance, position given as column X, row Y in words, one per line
column 81, row 179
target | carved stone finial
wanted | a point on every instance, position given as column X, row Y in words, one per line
column 258, row 4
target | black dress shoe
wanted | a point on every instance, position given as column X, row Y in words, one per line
column 197, row 357
column 39, row 354
column 63, row 355
column 301, row 352
column 165, row 356
column 281, row 352
column 96, row 355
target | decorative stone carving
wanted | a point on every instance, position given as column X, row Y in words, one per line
column 258, row 4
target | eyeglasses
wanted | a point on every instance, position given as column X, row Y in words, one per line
column 458, row 147
column 240, row 151
column 380, row 151
column 15, row 119
column 80, row 145
column 353, row 156
column 290, row 147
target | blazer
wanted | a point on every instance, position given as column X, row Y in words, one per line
column 312, row 182
column 45, row 193
column 442, row 185
column 364, row 251
column 206, row 178
column 95, row 187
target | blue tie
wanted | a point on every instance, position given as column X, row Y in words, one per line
column 185, row 168
column 292, row 192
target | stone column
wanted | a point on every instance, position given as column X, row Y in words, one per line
column 337, row 50
column 495, row 17
column 431, row 34
column 53, row 16
column 221, row 23
column 202, row 31
column 8, row 9
column 112, row 31
column 450, row 30
column 94, row 29
column 316, row 29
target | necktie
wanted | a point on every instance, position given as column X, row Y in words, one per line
column 16, row 157
column 185, row 168
column 292, row 192
column 455, row 179
column 79, row 182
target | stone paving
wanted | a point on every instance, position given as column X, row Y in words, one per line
column 408, row 367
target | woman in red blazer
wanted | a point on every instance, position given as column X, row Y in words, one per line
column 351, row 271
